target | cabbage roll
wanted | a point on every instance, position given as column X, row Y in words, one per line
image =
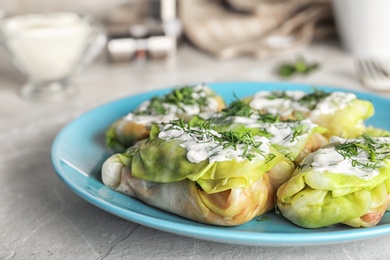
column 198, row 173
column 183, row 102
column 342, row 113
column 345, row 182
column 294, row 138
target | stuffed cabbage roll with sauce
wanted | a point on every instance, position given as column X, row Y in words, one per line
column 293, row 138
column 342, row 113
column 183, row 102
column 345, row 182
column 198, row 173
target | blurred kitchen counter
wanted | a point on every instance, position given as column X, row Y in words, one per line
column 41, row 218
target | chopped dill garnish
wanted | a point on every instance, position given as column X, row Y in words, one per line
column 270, row 157
column 297, row 131
column 278, row 94
column 230, row 138
column 300, row 66
column 224, row 139
column 205, row 124
column 185, row 96
column 310, row 100
column 180, row 97
column 268, row 118
column 156, row 106
column 237, row 108
column 376, row 151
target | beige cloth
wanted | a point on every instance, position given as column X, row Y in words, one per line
column 262, row 28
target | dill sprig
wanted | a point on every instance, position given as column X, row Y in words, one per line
column 310, row 100
column 231, row 138
column 276, row 94
column 185, row 96
column 268, row 118
column 155, row 107
column 242, row 109
column 237, row 108
column 376, row 151
column 270, row 157
column 298, row 130
column 180, row 97
column 206, row 124
column 224, row 139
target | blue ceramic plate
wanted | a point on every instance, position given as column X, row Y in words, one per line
column 78, row 153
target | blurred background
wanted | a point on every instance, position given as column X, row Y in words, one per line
column 150, row 30
column 221, row 28
column 280, row 31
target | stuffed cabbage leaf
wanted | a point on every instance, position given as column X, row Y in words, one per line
column 198, row 173
column 345, row 182
column 183, row 102
column 342, row 113
column 293, row 138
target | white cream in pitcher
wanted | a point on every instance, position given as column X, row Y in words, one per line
column 47, row 46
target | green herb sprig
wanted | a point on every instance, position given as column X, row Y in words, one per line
column 237, row 108
column 184, row 96
column 300, row 66
column 309, row 100
column 225, row 139
column 269, row 118
column 242, row 109
column 276, row 94
column 298, row 130
column 377, row 152
column 180, row 97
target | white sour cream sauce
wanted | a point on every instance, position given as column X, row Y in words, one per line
column 279, row 106
column 173, row 110
column 332, row 103
column 284, row 107
column 47, row 46
column 329, row 160
column 282, row 131
column 149, row 119
column 202, row 147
